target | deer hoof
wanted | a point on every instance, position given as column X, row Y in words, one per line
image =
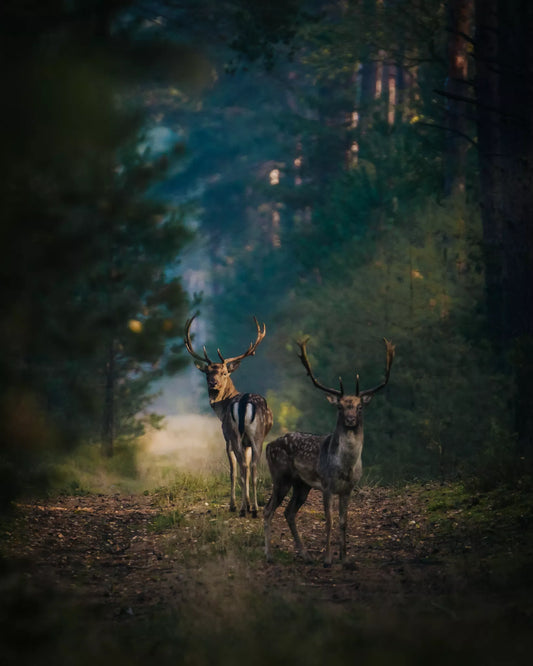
column 242, row 513
column 233, row 509
column 254, row 514
column 327, row 565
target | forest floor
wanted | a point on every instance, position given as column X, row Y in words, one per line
column 434, row 572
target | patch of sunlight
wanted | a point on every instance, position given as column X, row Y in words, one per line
column 187, row 443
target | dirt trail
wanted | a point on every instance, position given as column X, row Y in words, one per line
column 104, row 550
column 405, row 571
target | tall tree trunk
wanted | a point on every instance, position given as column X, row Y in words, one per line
column 489, row 152
column 516, row 63
column 459, row 27
column 368, row 76
column 504, row 58
column 390, row 78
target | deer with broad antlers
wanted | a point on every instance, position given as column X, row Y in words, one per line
column 246, row 418
column 331, row 463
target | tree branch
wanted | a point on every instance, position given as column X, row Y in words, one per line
column 452, row 131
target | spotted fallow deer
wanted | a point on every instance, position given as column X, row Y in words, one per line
column 246, row 418
column 331, row 463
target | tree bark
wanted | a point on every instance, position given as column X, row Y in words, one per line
column 459, row 26
column 504, row 81
column 489, row 152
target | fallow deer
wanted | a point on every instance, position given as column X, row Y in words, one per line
column 331, row 463
column 246, row 418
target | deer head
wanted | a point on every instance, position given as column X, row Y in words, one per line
column 217, row 374
column 350, row 406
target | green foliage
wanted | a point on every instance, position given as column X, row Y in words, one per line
column 319, row 211
column 286, row 414
column 88, row 250
column 498, row 465
column 419, row 283
column 355, row 243
column 86, row 471
column 262, row 29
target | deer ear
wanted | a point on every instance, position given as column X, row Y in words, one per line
column 202, row 368
column 233, row 365
column 333, row 399
column 365, row 399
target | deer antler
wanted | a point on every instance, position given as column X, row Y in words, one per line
column 305, row 362
column 251, row 349
column 390, row 357
column 188, row 344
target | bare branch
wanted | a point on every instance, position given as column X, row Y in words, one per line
column 447, row 129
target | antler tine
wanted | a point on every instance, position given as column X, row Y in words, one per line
column 188, row 344
column 305, row 362
column 252, row 347
column 390, row 358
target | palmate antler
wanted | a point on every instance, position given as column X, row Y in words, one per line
column 234, row 359
column 251, row 349
column 188, row 344
column 390, row 358
column 305, row 362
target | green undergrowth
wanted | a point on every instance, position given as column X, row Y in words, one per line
column 194, row 513
column 86, row 471
column 457, row 504
column 485, row 538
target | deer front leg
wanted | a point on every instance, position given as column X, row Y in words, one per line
column 344, row 500
column 232, row 475
column 327, row 512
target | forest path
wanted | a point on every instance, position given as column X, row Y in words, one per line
column 125, row 558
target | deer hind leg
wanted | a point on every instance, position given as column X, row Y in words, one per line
column 245, row 479
column 327, row 512
column 232, row 475
column 253, row 469
column 257, row 446
column 280, row 487
column 299, row 495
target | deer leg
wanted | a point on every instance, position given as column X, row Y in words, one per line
column 245, row 480
column 232, row 474
column 327, row 512
column 280, row 487
column 255, row 506
column 343, row 522
column 299, row 495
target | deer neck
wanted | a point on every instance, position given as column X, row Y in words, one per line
column 219, row 398
column 348, row 441
column 340, row 465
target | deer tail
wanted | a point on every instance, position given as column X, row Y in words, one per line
column 243, row 412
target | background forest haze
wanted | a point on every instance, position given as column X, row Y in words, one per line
column 347, row 170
